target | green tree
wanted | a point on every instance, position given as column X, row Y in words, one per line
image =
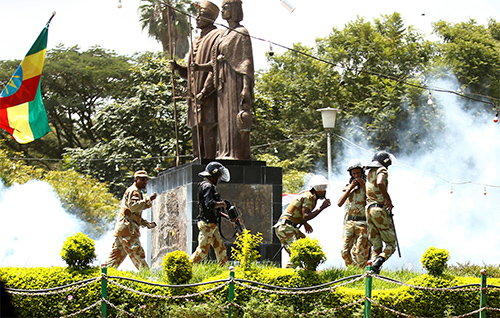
column 373, row 60
column 155, row 17
column 75, row 85
column 472, row 52
column 138, row 133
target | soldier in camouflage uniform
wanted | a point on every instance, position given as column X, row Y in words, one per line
column 210, row 205
column 127, row 228
column 355, row 247
column 300, row 211
column 378, row 209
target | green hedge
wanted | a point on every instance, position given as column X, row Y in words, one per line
column 422, row 303
column 59, row 304
column 429, row 303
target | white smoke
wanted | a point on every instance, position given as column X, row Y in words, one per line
column 34, row 227
column 439, row 196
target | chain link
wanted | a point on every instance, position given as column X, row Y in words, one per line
column 167, row 297
column 331, row 289
column 234, row 281
column 83, row 310
column 309, row 313
column 430, row 288
column 411, row 316
column 119, row 309
column 54, row 292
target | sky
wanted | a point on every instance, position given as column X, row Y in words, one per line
column 429, row 210
column 100, row 22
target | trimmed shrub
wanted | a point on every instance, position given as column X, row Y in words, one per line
column 178, row 267
column 434, row 260
column 78, row 251
column 307, row 254
column 246, row 251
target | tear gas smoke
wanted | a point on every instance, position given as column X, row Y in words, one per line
column 427, row 211
column 34, row 227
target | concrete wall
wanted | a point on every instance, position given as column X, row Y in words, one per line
column 254, row 188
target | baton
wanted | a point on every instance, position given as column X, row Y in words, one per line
column 394, row 227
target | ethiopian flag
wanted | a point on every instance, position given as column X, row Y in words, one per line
column 22, row 112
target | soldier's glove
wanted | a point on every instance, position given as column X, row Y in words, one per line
column 151, row 225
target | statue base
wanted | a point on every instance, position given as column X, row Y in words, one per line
column 254, row 188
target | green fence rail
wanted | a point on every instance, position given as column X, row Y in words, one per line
column 231, row 282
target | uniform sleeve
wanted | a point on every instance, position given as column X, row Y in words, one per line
column 382, row 170
column 308, row 201
column 136, row 203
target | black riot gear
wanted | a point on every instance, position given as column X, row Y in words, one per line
column 382, row 158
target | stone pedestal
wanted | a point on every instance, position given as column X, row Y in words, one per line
column 255, row 189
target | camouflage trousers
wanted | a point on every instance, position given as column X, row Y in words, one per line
column 381, row 230
column 287, row 234
column 209, row 235
column 355, row 246
column 128, row 245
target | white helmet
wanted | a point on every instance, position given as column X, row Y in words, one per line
column 353, row 164
column 318, row 183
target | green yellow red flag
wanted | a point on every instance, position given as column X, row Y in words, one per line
column 22, row 112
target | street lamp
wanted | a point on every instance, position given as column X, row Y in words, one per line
column 328, row 116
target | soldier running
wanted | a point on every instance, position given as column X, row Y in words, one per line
column 355, row 246
column 210, row 203
column 300, row 211
column 378, row 209
column 127, row 228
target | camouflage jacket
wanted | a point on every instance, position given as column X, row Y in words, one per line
column 130, row 217
column 293, row 211
column 373, row 193
column 356, row 202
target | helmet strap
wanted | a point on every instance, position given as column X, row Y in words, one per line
column 213, row 180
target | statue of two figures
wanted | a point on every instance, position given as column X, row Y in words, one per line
column 220, row 74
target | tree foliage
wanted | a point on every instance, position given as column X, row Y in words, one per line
column 472, row 53
column 157, row 15
column 138, row 133
column 359, row 70
column 75, row 85
column 112, row 115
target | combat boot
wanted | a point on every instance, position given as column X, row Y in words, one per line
column 377, row 265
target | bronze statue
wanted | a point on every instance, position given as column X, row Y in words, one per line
column 234, row 72
column 232, row 64
column 202, row 99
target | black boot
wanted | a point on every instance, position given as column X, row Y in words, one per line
column 377, row 265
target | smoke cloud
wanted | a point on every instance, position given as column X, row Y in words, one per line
column 34, row 227
column 438, row 194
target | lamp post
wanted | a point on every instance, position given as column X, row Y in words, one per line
column 328, row 116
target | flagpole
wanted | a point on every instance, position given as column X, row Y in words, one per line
column 194, row 99
column 177, row 159
column 53, row 14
